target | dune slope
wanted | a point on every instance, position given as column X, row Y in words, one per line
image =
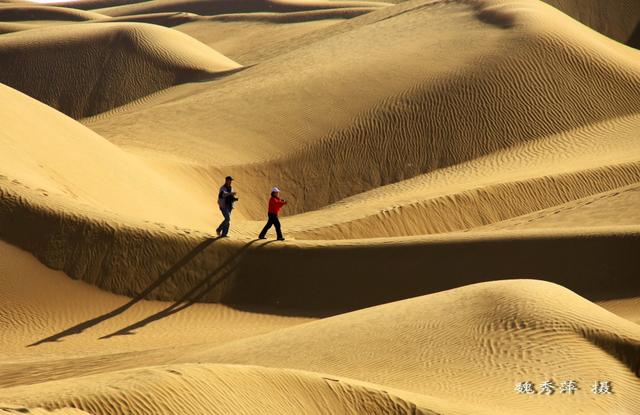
column 470, row 346
column 435, row 154
column 209, row 389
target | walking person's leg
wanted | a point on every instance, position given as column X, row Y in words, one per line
column 276, row 222
column 224, row 226
column 266, row 228
column 219, row 228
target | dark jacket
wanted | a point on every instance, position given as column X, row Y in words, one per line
column 225, row 198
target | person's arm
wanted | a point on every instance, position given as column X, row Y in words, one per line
column 225, row 194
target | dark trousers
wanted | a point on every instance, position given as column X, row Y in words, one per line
column 224, row 226
column 273, row 220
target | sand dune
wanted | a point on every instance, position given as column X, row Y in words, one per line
column 511, row 331
column 496, row 152
column 468, row 345
column 612, row 208
column 66, row 164
column 439, row 130
column 211, row 389
column 434, row 154
column 58, row 65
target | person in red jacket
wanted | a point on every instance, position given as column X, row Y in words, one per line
column 275, row 204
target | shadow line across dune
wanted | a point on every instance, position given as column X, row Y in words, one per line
column 197, row 292
column 79, row 328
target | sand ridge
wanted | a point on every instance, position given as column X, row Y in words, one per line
column 462, row 176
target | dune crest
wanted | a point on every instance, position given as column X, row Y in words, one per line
column 462, row 231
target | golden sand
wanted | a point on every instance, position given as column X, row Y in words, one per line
column 464, row 184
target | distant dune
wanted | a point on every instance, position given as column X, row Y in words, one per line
column 25, row 12
column 463, row 183
column 230, row 6
column 91, row 68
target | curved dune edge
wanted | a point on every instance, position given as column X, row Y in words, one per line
column 469, row 345
column 615, row 207
column 72, row 168
column 127, row 257
column 479, row 207
column 219, row 389
column 90, row 68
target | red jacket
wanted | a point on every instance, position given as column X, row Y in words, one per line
column 275, row 203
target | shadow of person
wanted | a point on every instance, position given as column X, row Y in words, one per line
column 197, row 293
column 79, row 328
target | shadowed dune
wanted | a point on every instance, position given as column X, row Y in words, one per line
column 25, row 12
column 230, row 6
column 617, row 19
column 434, row 154
column 87, row 69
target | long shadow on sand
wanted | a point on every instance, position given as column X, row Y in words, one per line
column 204, row 287
column 79, row 328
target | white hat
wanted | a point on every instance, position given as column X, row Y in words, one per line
column 275, row 189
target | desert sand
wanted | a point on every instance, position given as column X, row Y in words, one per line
column 463, row 179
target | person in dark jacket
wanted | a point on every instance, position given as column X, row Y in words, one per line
column 226, row 198
column 275, row 204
